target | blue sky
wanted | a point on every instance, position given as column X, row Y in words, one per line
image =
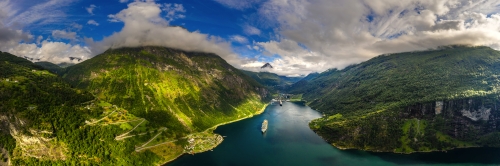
column 208, row 17
column 296, row 36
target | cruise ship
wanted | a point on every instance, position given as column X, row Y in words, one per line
column 264, row 126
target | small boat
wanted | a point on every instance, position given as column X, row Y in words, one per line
column 281, row 103
column 264, row 126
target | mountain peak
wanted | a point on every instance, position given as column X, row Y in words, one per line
column 267, row 65
column 75, row 58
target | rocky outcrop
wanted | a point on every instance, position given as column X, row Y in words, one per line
column 32, row 143
column 478, row 115
column 475, row 115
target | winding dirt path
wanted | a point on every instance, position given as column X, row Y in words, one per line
column 94, row 122
column 120, row 137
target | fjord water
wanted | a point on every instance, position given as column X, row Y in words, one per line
column 289, row 141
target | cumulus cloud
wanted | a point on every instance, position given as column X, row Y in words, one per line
column 90, row 9
column 238, row 4
column 15, row 41
column 343, row 32
column 55, row 52
column 145, row 26
column 92, row 22
column 123, row 1
column 11, row 37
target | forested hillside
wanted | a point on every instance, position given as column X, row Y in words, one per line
column 129, row 106
column 177, row 92
column 414, row 101
column 301, row 86
column 51, row 67
column 183, row 91
column 43, row 121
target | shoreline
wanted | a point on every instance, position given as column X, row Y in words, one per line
column 403, row 153
column 236, row 120
column 214, row 127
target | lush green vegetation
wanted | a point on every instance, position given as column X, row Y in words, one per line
column 379, row 100
column 182, row 91
column 133, row 106
column 296, row 98
column 38, row 105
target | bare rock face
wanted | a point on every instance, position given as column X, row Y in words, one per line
column 439, row 107
column 475, row 115
column 32, row 143
column 479, row 115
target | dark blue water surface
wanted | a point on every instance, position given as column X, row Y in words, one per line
column 289, row 141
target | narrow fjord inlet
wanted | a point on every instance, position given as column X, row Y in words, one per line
column 289, row 141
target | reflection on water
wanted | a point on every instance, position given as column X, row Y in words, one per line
column 289, row 141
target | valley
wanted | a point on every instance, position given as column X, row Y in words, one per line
column 249, row 82
column 151, row 105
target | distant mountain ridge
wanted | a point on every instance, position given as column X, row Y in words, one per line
column 271, row 79
column 300, row 86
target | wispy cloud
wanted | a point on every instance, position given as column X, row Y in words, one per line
column 63, row 34
column 173, row 11
column 239, row 39
column 90, row 9
column 92, row 22
column 250, row 30
column 42, row 13
column 76, row 26
column 239, row 4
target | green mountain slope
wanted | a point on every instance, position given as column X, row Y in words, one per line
column 406, row 102
column 42, row 121
column 301, row 86
column 181, row 91
column 12, row 59
column 133, row 106
column 185, row 92
column 309, row 77
column 51, row 67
